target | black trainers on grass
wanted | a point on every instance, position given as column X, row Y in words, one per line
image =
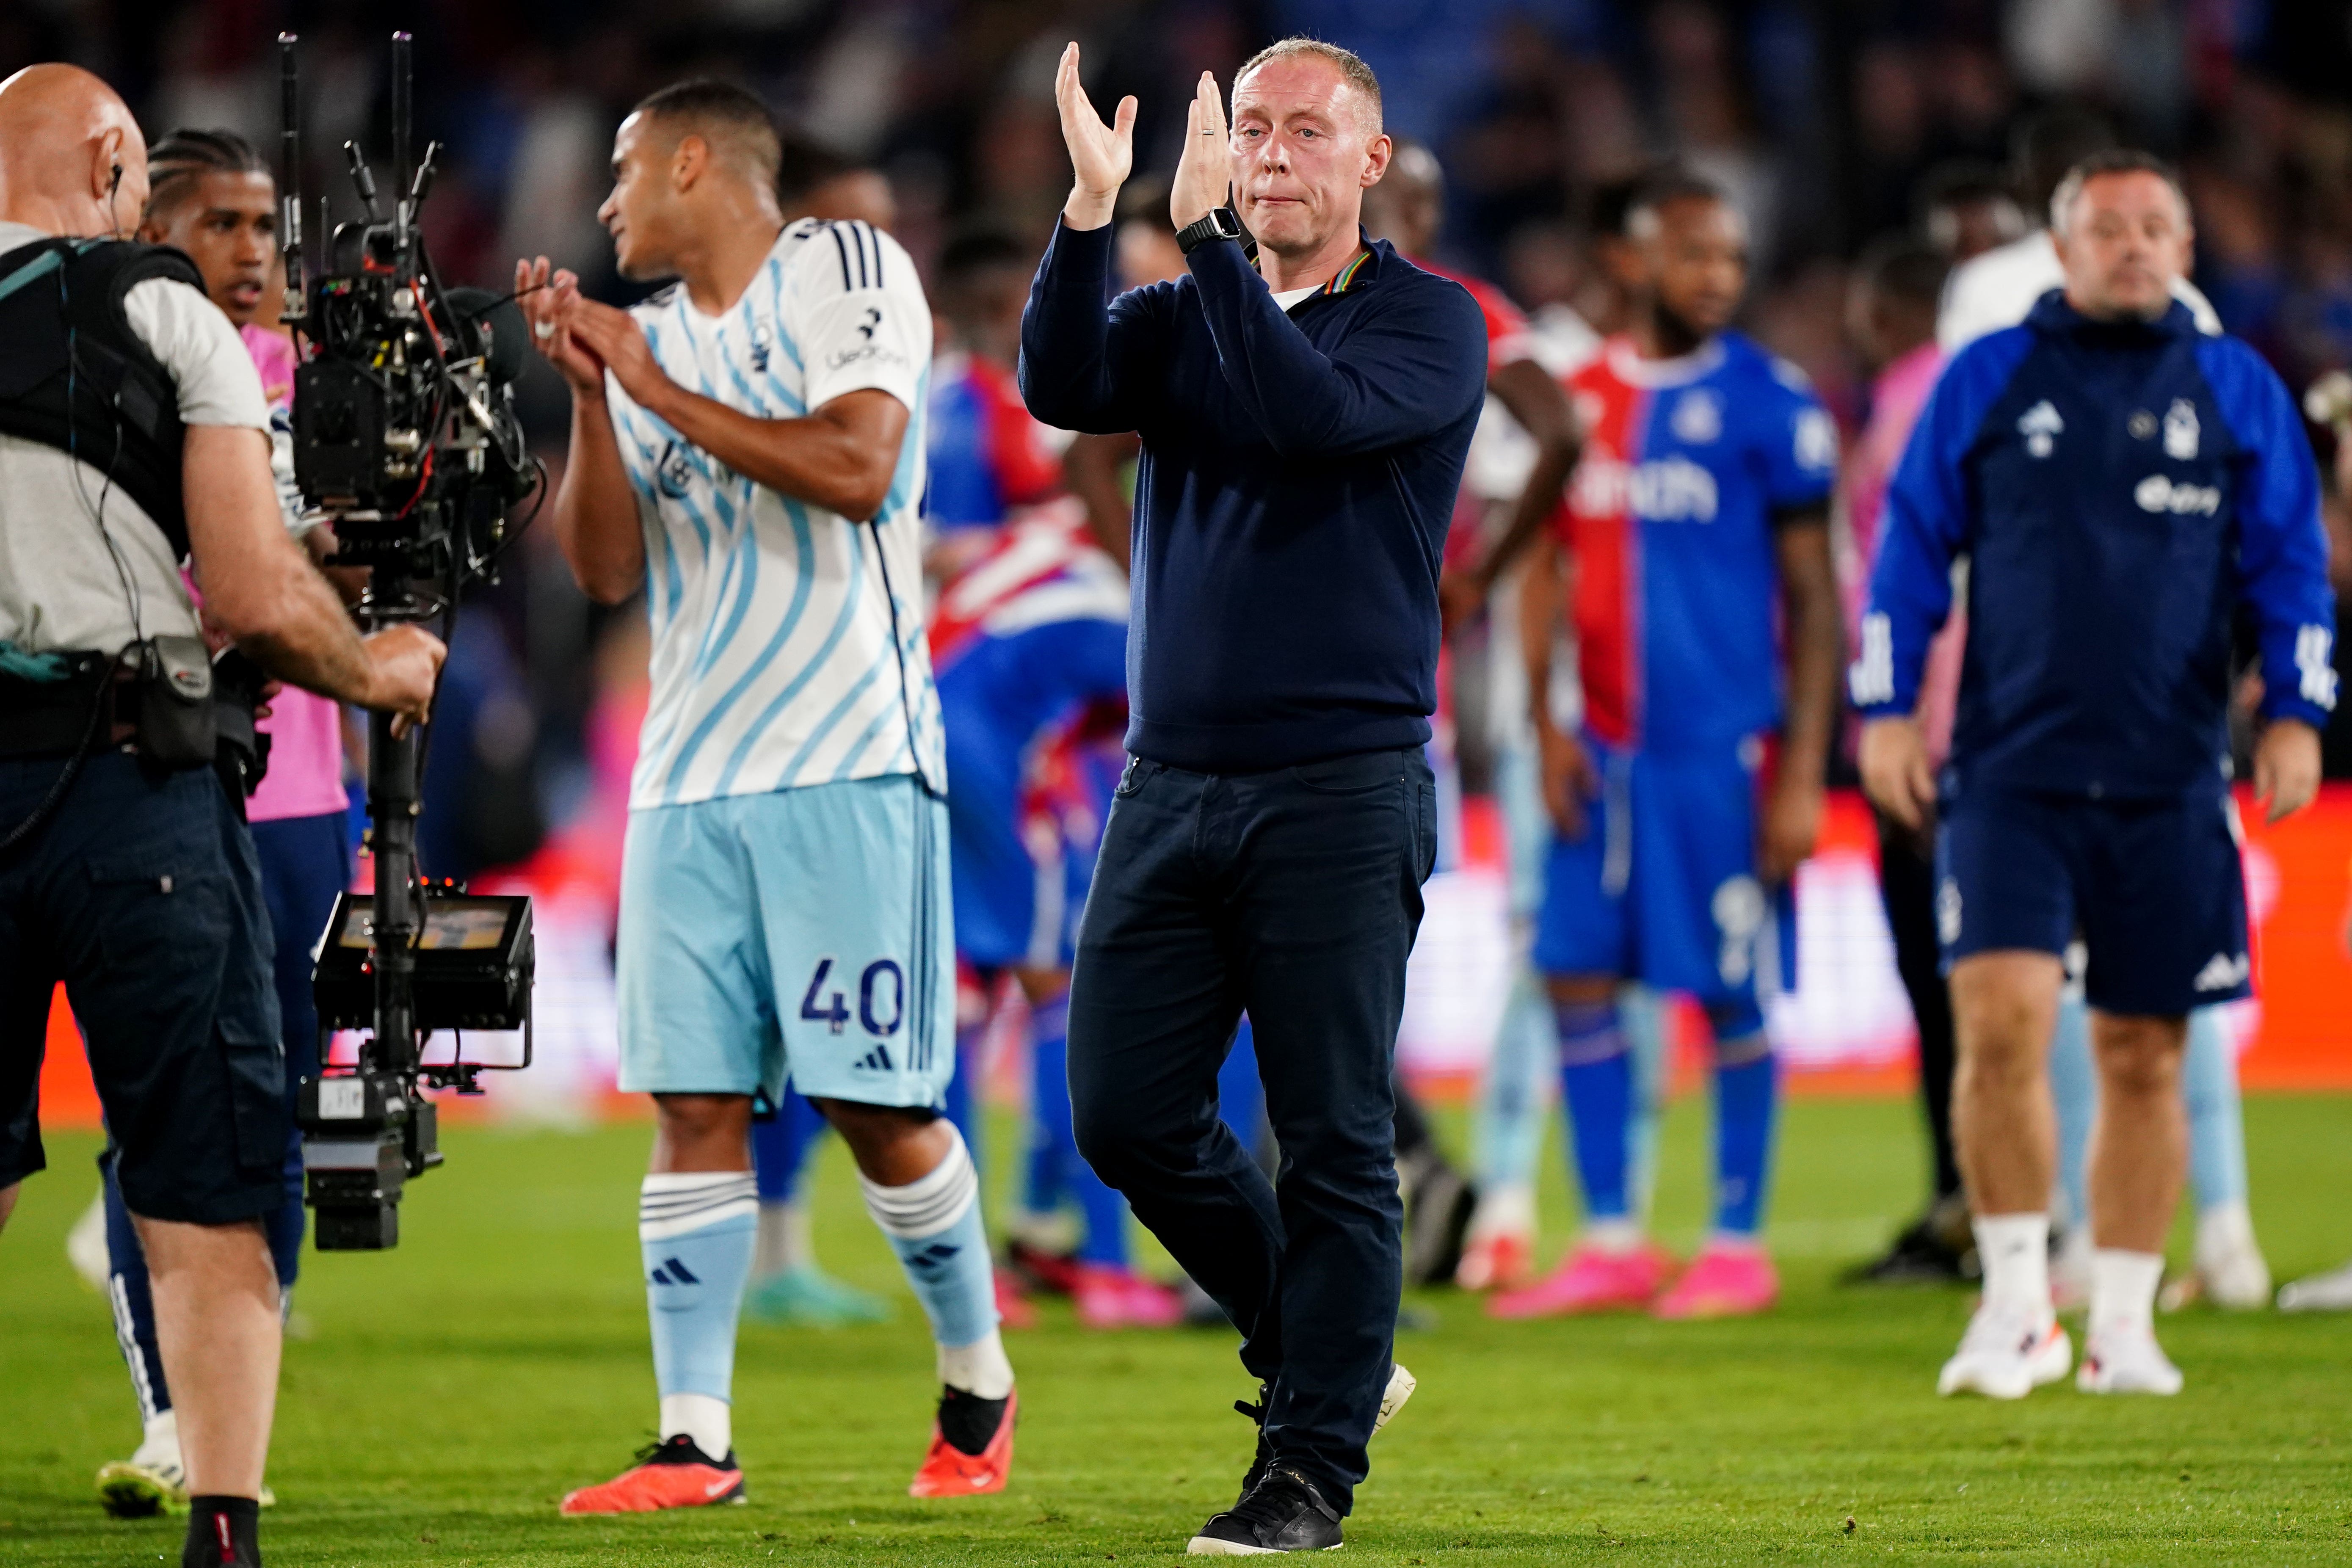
column 1283, row 1513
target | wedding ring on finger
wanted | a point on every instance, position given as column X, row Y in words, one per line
column 544, row 330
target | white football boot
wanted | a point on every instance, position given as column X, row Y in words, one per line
column 2328, row 1292
column 2125, row 1361
column 2006, row 1354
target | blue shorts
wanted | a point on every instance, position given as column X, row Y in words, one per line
column 1017, row 901
column 1663, row 888
column 803, row 932
column 2154, row 888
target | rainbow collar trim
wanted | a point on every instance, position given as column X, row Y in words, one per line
column 1348, row 274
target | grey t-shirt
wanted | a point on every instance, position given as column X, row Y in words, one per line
column 71, row 578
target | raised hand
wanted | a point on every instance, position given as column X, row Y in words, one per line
column 549, row 299
column 616, row 341
column 1204, row 173
column 1100, row 155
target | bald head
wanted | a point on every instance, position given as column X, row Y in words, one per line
column 72, row 161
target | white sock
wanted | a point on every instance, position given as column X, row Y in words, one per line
column 709, row 1420
column 2015, row 1251
column 2122, row 1290
column 784, row 1240
column 2225, row 1226
column 1615, row 1236
column 1506, row 1209
column 979, row 1368
column 160, row 1443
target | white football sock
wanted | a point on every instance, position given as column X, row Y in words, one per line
column 2226, row 1227
column 1506, row 1209
column 160, row 1444
column 2122, row 1290
column 784, row 1239
column 709, row 1420
column 2015, row 1251
column 1615, row 1236
column 979, row 1368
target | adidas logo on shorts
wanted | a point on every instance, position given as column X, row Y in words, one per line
column 876, row 1061
column 2222, row 973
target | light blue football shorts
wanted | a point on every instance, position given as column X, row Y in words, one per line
column 804, row 933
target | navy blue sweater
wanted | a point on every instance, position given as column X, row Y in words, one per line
column 1298, row 474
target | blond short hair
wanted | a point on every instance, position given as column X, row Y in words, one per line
column 1346, row 62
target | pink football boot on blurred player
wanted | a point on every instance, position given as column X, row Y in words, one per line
column 1728, row 1279
column 1112, row 1297
column 1593, row 1279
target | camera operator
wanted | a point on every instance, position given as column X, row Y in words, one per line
column 213, row 197
column 133, row 431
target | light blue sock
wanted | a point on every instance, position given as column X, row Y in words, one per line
column 1516, row 1089
column 696, row 1231
column 2075, row 1089
column 934, row 1227
column 2217, row 1127
column 1747, row 1095
column 1641, row 1018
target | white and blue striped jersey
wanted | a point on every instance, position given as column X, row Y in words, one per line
column 788, row 643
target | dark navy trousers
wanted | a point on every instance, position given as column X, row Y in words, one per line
column 1294, row 894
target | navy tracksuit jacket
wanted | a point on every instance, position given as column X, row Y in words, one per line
column 2119, row 491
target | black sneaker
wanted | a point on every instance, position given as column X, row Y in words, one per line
column 1438, row 1204
column 1938, row 1248
column 1265, row 1455
column 1283, row 1513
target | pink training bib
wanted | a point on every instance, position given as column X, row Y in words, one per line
column 306, row 749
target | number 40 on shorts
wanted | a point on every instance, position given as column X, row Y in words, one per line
column 883, row 984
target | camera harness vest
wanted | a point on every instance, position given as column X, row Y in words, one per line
column 74, row 376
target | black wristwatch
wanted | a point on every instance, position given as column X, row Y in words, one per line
column 1218, row 223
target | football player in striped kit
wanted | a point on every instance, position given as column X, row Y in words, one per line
column 747, row 449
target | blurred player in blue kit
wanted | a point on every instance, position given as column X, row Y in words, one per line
column 1708, row 641
column 747, row 450
column 1029, row 640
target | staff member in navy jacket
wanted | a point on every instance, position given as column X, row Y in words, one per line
column 2122, row 488
column 1304, row 424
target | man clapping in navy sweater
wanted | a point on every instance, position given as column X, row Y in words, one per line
column 1304, row 422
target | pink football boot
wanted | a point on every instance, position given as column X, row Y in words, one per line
column 1109, row 1297
column 1590, row 1280
column 1727, row 1279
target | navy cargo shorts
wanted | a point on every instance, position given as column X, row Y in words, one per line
column 144, row 896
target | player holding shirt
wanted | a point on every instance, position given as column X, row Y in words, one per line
column 1698, row 512
column 747, row 448
column 1029, row 634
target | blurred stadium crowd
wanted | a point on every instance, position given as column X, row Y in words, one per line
column 1833, row 123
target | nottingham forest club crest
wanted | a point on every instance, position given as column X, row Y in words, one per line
column 675, row 473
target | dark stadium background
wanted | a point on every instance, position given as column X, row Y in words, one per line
column 1825, row 120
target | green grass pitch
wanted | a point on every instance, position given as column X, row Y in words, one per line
column 451, row 1391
